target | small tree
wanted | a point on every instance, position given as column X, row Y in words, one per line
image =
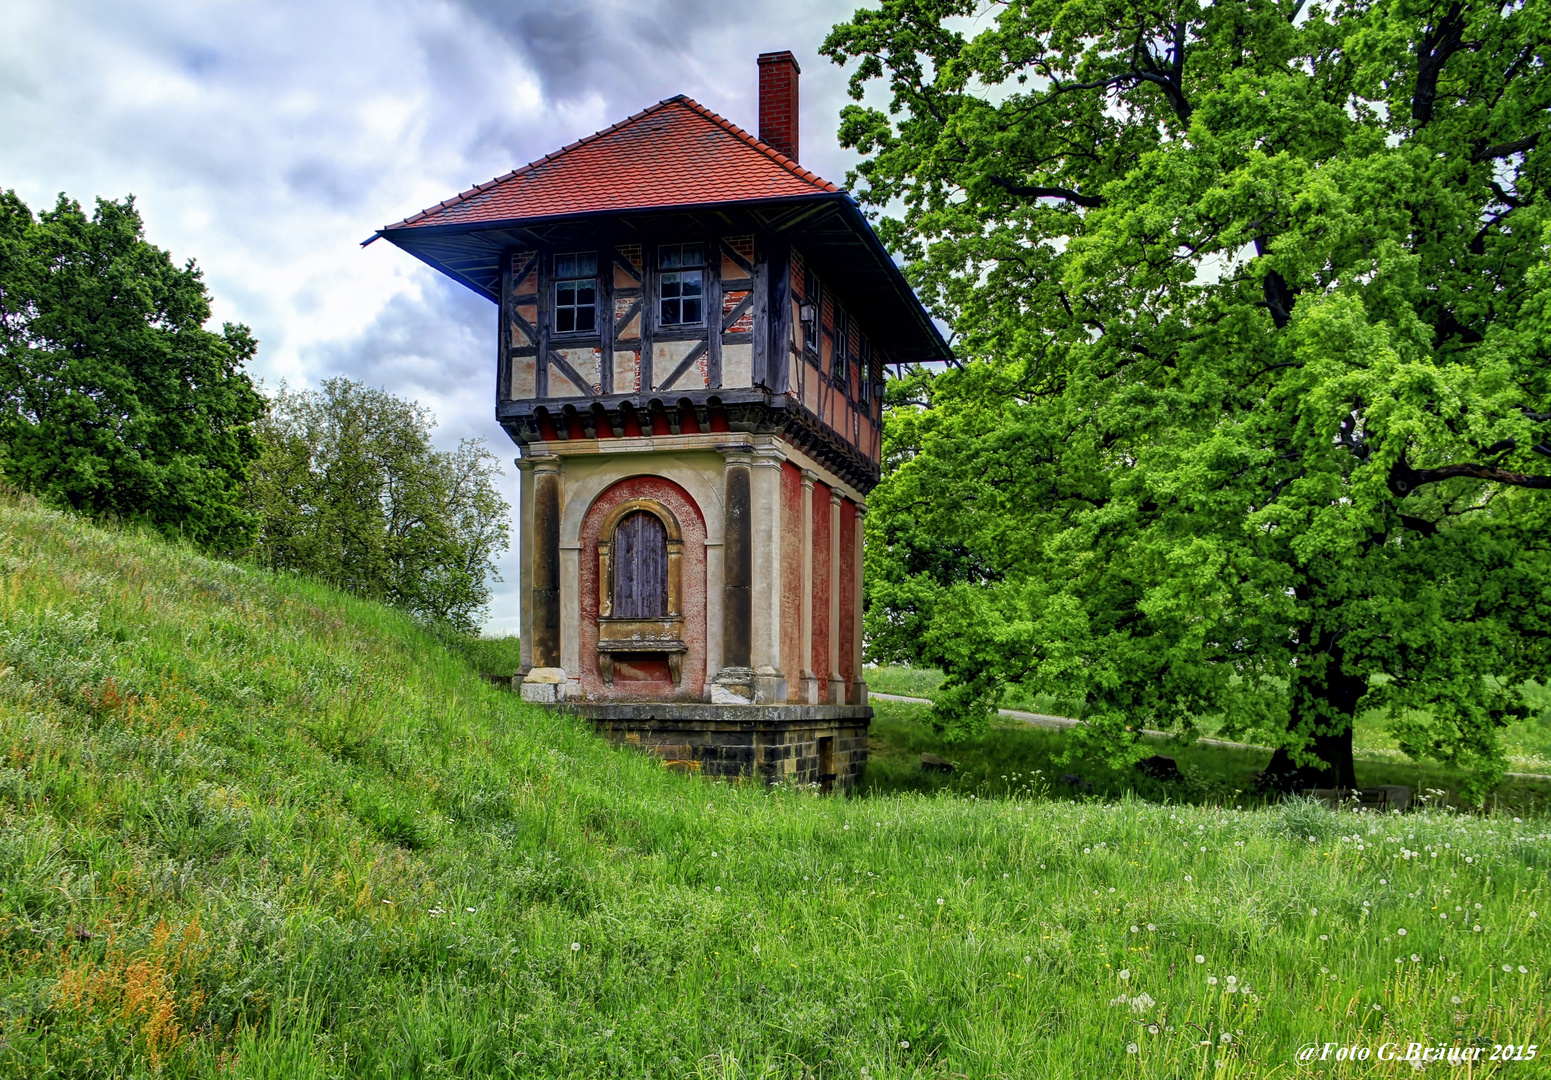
column 349, row 489
column 114, row 399
column 1254, row 307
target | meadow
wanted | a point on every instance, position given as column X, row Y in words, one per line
column 251, row 827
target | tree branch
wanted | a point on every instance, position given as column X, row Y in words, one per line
column 1403, row 479
column 1502, row 150
column 1023, row 192
column 1432, row 52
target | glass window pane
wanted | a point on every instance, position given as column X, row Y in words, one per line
column 584, row 318
column 565, row 320
column 692, row 255
column 691, row 282
column 691, row 311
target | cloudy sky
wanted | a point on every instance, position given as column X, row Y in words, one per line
column 267, row 140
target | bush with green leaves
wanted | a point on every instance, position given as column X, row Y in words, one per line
column 350, row 490
column 115, row 401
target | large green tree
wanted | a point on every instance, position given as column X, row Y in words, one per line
column 114, row 399
column 1253, row 311
column 350, row 490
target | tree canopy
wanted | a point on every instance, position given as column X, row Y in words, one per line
column 114, row 399
column 1253, row 308
column 350, row 490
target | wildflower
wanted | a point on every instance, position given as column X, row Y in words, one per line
column 1211, row 980
column 1130, row 1048
column 1324, row 937
column 1232, row 979
column 1225, row 1037
column 848, row 828
column 939, row 901
column 1401, row 931
column 1199, row 958
column 1534, row 914
column 1415, row 959
column 1152, row 1029
column 1313, row 911
column 388, row 902
column 576, row 946
column 469, row 910
column 1151, row 928
column 1443, row 915
column 1026, row 959
column 1476, row 929
column 901, row 916
column 1187, row 877
column 1455, row 999
column 1111, row 888
column 1124, row 973
column 1523, row 970
column 718, row 888
column 904, row 1044
column 1136, row 929
column 1383, row 881
column 1311, row 840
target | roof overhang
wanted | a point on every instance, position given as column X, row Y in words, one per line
column 828, row 227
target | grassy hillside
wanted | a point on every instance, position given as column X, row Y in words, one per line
column 252, row 828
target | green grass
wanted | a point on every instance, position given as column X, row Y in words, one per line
column 253, row 828
column 1011, row 755
column 1527, row 744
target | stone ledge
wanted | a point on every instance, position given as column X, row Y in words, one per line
column 702, row 714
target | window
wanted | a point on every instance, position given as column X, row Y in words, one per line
column 640, row 558
column 864, row 371
column 811, row 299
column 576, row 292
column 840, row 362
column 679, row 284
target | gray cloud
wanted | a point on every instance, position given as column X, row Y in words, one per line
column 267, row 140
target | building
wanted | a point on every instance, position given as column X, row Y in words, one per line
column 693, row 334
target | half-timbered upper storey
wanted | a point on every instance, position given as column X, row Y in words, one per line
column 673, row 273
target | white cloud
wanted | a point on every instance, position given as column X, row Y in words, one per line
column 266, row 141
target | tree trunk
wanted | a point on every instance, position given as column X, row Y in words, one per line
column 1329, row 699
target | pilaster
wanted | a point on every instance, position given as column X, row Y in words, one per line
column 808, row 688
column 859, row 686
column 765, row 521
column 545, row 680
column 837, row 685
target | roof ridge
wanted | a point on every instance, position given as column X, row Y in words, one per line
column 694, row 106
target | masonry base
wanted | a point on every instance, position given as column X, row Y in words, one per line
column 824, row 745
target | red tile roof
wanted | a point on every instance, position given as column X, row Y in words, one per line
column 677, row 152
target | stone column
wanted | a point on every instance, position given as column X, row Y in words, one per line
column 734, row 683
column 859, row 686
column 545, row 681
column 765, row 532
column 808, row 691
column 837, row 685
column 524, row 568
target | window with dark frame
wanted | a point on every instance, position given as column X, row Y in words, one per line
column 680, row 287
column 864, row 371
column 840, row 364
column 812, row 298
column 576, row 292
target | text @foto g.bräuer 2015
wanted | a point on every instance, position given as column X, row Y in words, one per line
column 1309, row 1053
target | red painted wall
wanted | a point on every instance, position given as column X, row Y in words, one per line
column 646, row 680
column 820, row 661
column 847, row 590
column 791, row 576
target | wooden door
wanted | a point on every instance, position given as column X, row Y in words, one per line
column 640, row 558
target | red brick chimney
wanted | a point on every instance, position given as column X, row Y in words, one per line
column 778, row 73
